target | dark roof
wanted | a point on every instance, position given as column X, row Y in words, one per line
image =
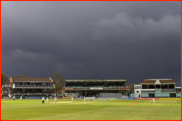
column 30, row 79
column 94, row 80
column 162, row 81
column 167, row 81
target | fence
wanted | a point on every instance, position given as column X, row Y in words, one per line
column 34, row 97
column 159, row 98
column 147, row 98
column 169, row 98
column 133, row 98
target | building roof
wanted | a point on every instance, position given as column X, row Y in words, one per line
column 160, row 80
column 148, row 81
column 95, row 80
column 30, row 79
column 167, row 81
column 178, row 87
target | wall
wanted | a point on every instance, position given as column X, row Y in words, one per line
column 137, row 94
column 165, row 94
column 158, row 94
column 145, row 94
column 71, row 94
column 132, row 95
column 178, row 94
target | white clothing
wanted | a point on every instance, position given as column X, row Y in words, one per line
column 154, row 101
column 85, row 100
column 47, row 100
column 55, row 99
column 43, row 99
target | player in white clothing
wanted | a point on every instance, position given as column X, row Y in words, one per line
column 20, row 98
column 47, row 100
column 43, row 100
column 85, row 100
column 153, row 100
column 55, row 99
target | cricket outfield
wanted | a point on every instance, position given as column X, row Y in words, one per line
column 64, row 109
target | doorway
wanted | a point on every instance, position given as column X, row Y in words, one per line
column 151, row 95
column 172, row 94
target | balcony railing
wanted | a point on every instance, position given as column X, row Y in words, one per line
column 6, row 85
column 168, row 90
column 86, row 88
column 36, row 93
column 34, row 86
column 157, row 88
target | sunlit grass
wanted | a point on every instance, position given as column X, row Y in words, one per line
column 30, row 109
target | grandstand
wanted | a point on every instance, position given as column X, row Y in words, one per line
column 158, row 88
column 27, row 86
column 97, row 88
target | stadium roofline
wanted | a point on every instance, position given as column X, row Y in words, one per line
column 30, row 79
column 159, row 79
column 95, row 79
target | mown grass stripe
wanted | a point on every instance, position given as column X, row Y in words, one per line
column 95, row 110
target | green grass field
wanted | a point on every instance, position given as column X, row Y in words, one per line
column 64, row 109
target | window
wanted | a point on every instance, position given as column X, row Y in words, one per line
column 137, row 87
column 151, row 95
column 144, row 86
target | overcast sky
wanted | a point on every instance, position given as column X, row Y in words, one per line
column 92, row 40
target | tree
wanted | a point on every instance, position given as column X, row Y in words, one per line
column 131, row 87
column 58, row 81
column 4, row 79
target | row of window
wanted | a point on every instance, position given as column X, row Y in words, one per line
column 154, row 86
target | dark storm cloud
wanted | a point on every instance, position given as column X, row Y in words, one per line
column 131, row 40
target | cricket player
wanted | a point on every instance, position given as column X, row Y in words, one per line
column 154, row 100
column 55, row 100
column 72, row 99
column 13, row 97
column 20, row 98
column 43, row 100
column 85, row 100
column 9, row 95
column 47, row 100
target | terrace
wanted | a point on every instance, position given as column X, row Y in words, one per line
column 33, row 85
